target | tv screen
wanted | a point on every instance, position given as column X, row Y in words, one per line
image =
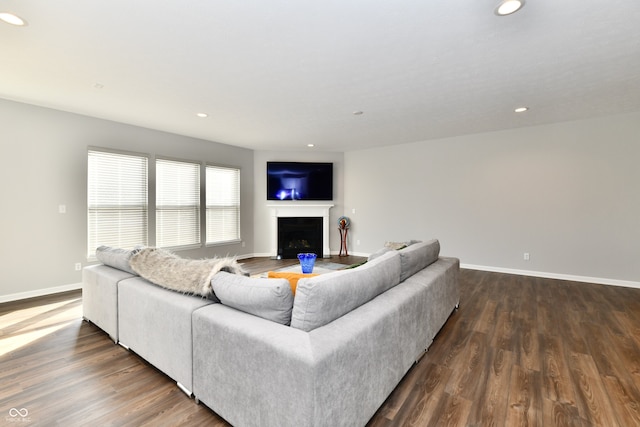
column 299, row 181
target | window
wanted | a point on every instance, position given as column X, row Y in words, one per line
column 118, row 209
column 223, row 204
column 177, row 203
column 117, row 205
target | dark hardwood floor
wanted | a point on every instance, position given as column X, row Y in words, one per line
column 520, row 351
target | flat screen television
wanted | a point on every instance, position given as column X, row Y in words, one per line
column 299, row 181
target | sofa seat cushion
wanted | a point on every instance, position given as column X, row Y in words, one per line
column 271, row 299
column 292, row 277
column 418, row 256
column 324, row 298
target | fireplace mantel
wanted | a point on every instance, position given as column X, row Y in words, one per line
column 299, row 210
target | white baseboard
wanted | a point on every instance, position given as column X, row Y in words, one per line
column 260, row 255
column 40, row 292
column 573, row 278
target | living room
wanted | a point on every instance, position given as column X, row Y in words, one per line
column 549, row 182
column 554, row 182
column 538, row 197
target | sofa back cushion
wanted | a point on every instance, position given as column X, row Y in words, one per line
column 116, row 258
column 292, row 277
column 418, row 256
column 324, row 298
column 270, row 299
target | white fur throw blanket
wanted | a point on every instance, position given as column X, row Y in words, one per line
column 189, row 276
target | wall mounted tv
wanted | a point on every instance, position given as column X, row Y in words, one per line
column 299, row 181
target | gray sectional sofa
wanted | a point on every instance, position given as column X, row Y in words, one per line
column 259, row 356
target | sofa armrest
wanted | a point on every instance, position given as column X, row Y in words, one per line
column 100, row 296
column 249, row 370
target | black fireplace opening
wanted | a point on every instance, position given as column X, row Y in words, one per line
column 299, row 234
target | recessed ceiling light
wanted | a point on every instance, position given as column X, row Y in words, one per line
column 507, row 7
column 357, row 113
column 521, row 109
column 311, row 145
column 202, row 115
column 12, row 19
column 98, row 85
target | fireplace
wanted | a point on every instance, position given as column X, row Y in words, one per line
column 299, row 210
column 299, row 234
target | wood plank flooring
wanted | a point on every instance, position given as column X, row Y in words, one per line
column 520, row 351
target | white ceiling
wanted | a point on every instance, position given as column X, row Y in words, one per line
column 277, row 75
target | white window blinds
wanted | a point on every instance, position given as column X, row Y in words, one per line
column 117, row 207
column 177, row 203
column 223, row 204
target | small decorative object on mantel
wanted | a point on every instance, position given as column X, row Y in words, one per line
column 343, row 226
column 307, row 261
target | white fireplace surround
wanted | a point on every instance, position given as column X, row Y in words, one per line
column 299, row 210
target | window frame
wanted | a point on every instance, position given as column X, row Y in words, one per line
column 198, row 210
column 237, row 206
column 93, row 234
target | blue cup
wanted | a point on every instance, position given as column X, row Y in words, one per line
column 307, row 262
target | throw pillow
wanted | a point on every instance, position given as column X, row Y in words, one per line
column 290, row 276
column 395, row 245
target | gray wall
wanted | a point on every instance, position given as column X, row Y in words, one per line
column 43, row 165
column 262, row 216
column 568, row 194
column 565, row 193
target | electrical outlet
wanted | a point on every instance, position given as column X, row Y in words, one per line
column 78, row 266
column 62, row 209
column 243, row 244
column 526, row 256
column 358, row 242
